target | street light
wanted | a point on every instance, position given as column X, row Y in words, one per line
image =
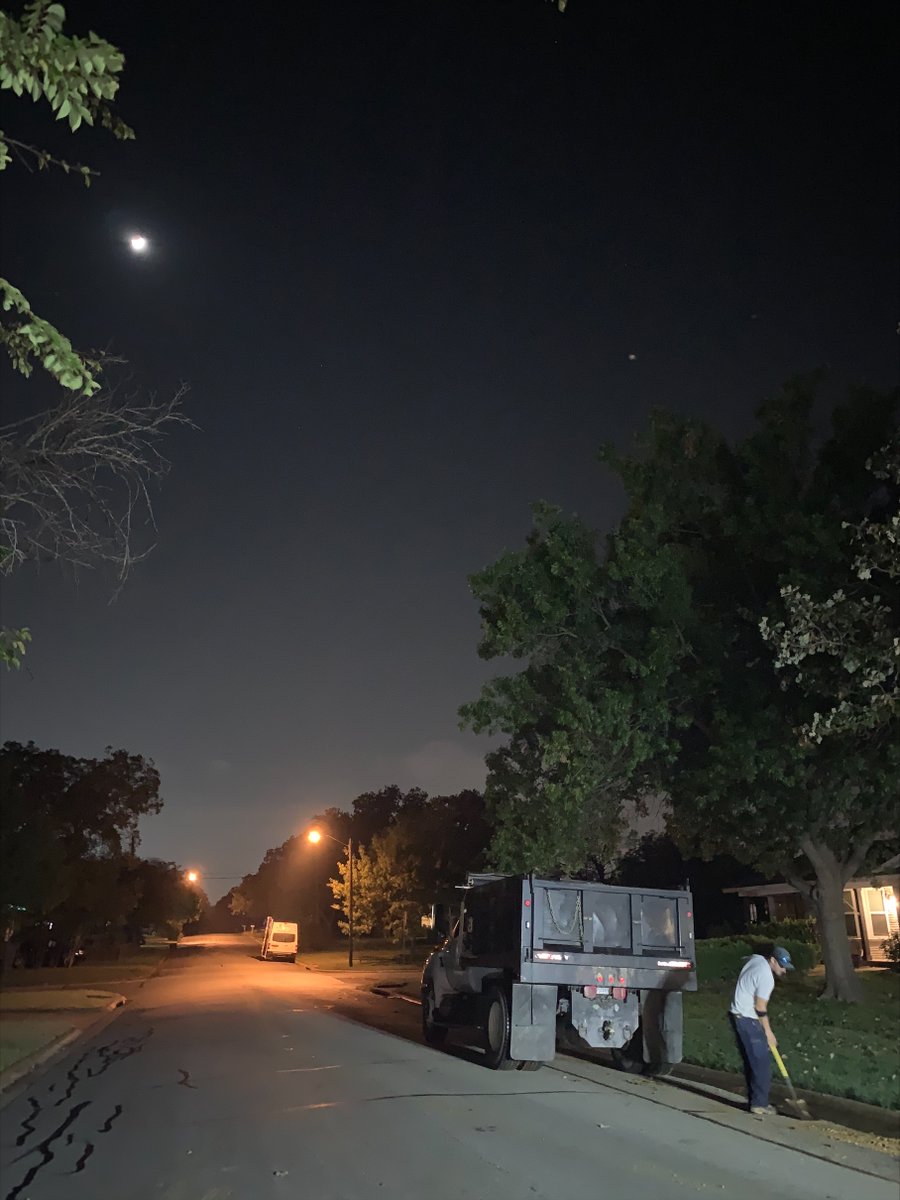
column 315, row 836
column 192, row 876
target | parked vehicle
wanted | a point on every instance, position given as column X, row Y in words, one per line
column 280, row 940
column 533, row 962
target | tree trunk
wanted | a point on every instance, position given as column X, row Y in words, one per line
column 827, row 895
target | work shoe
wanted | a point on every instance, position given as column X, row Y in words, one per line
column 759, row 1111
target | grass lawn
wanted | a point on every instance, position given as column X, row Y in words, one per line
column 20, row 1038
column 848, row 1050
column 364, row 957
column 367, row 953
column 136, row 964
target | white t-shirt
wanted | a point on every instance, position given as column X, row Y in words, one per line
column 755, row 979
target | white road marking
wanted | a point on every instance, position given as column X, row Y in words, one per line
column 297, row 1070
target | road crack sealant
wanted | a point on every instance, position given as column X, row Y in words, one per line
column 90, row 1065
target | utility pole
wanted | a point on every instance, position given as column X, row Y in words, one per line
column 350, row 896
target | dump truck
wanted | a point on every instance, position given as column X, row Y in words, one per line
column 534, row 963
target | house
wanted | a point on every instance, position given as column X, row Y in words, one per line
column 870, row 908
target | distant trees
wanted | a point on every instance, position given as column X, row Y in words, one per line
column 68, row 833
column 166, row 900
column 422, row 855
column 409, row 851
column 645, row 672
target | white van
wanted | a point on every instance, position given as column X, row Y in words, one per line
column 280, row 940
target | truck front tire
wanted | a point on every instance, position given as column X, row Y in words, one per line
column 433, row 1033
column 496, row 1030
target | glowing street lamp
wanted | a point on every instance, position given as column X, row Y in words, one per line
column 192, row 876
column 315, row 836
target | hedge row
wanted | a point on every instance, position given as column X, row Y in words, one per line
column 722, row 958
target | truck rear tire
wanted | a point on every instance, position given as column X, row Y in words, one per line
column 631, row 1056
column 631, row 1060
column 433, row 1033
column 496, row 1030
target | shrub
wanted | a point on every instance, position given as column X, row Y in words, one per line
column 891, row 947
column 790, row 929
column 725, row 930
column 722, row 958
column 803, row 955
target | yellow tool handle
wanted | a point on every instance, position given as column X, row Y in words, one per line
column 781, row 1067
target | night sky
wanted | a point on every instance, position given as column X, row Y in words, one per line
column 416, row 261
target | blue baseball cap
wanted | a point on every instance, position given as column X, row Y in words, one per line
column 782, row 957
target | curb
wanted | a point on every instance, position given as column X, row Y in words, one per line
column 25, row 1066
column 116, row 1002
column 839, row 1110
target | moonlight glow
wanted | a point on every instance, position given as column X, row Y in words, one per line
column 138, row 243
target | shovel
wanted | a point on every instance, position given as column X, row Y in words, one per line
column 795, row 1107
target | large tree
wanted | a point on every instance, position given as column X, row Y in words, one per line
column 68, row 830
column 165, row 899
column 645, row 667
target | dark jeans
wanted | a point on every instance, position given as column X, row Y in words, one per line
column 754, row 1048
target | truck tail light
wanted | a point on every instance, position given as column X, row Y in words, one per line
column 620, row 993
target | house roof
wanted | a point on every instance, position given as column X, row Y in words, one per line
column 889, row 879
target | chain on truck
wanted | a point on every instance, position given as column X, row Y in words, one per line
column 533, row 963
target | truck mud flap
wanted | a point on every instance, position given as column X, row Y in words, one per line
column 662, row 1026
column 533, row 1022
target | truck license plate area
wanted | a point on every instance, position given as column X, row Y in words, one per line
column 605, row 1020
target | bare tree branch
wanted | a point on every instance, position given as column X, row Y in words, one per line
column 75, row 479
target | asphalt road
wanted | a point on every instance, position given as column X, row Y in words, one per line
column 227, row 1078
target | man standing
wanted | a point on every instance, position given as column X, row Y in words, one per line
column 750, row 1018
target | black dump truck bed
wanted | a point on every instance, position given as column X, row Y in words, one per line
column 548, row 931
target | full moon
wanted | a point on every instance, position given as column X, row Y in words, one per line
column 138, row 243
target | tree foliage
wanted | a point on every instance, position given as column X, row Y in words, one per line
column 410, row 850
column 846, row 646
column 164, row 899
column 67, row 852
column 645, row 669
column 581, row 737
column 422, row 854
column 79, row 79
